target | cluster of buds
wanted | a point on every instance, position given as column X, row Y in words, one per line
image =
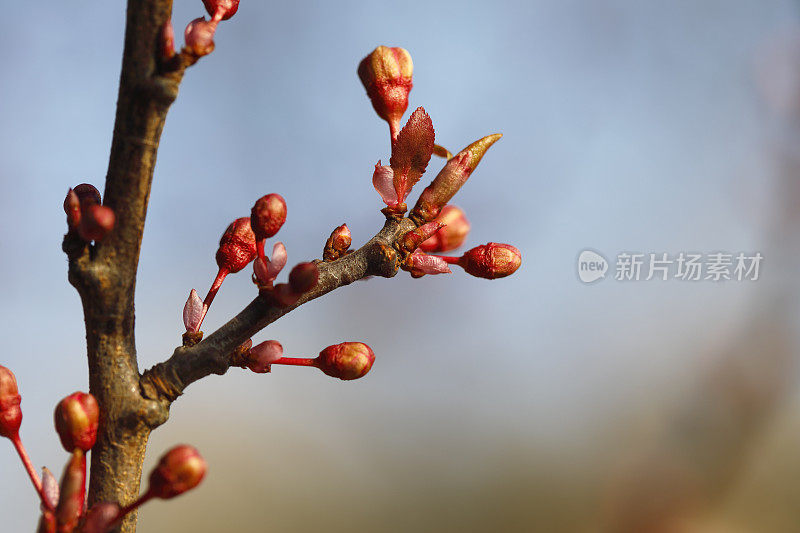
column 243, row 242
column 346, row 361
column 179, row 470
column 199, row 33
column 85, row 216
column 387, row 76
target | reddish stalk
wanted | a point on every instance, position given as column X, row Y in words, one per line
column 295, row 361
column 144, row 498
column 449, row 259
column 212, row 292
column 29, row 468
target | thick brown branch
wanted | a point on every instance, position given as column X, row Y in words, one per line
column 166, row 381
column 105, row 274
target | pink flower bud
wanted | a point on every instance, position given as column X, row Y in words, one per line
column 180, row 469
column 221, row 9
column 76, row 418
column 337, row 244
column 266, row 270
column 10, row 412
column 100, row 517
column 166, row 41
column 237, row 247
column 97, row 221
column 199, row 37
column 386, row 74
column 303, row 277
column 420, row 263
column 491, row 261
column 450, row 179
column 72, row 207
column 73, row 492
column 193, row 312
column 49, row 489
column 452, row 235
column 87, row 194
column 263, row 355
column 348, row 360
column 268, row 215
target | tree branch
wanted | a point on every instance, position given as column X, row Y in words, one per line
column 166, row 381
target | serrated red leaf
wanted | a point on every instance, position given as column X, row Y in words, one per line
column 412, row 152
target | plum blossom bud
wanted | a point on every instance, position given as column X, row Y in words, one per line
column 49, row 489
column 348, row 360
column 263, row 355
column 237, row 247
column 452, row 235
column 303, row 277
column 72, row 207
column 87, row 194
column 193, row 312
column 268, row 215
column 97, row 221
column 450, row 179
column 76, row 418
column 166, row 41
column 420, row 263
column 199, row 36
column 10, row 412
column 491, row 261
column 338, row 243
column 73, row 492
column 100, row 517
column 221, row 9
column 386, row 75
column 180, row 469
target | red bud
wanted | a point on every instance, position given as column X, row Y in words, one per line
column 452, row 235
column 76, row 419
column 97, row 221
column 338, row 243
column 303, row 277
column 237, row 247
column 87, row 194
column 491, row 261
column 268, row 215
column 348, row 360
column 180, row 469
column 10, row 412
column 221, row 9
column 386, row 75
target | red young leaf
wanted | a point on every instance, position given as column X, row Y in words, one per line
column 411, row 152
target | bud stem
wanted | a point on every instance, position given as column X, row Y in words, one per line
column 212, row 292
column 295, row 361
column 449, row 259
column 141, row 500
column 28, row 464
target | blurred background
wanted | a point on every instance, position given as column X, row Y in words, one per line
column 535, row 403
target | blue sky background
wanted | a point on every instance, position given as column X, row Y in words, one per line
column 628, row 126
